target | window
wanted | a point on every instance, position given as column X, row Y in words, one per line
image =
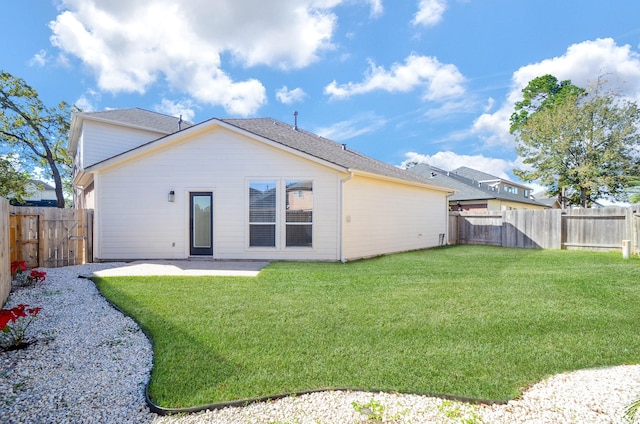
column 281, row 213
column 299, row 213
column 262, row 213
column 510, row 189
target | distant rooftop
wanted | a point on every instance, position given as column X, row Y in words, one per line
column 470, row 188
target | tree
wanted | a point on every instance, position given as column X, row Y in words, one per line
column 581, row 144
column 38, row 134
column 542, row 93
column 13, row 182
column 633, row 189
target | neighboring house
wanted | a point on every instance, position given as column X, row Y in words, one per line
column 39, row 194
column 542, row 197
column 242, row 189
column 478, row 191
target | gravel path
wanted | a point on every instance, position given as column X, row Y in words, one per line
column 90, row 364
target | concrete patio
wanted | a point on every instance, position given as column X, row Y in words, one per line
column 195, row 267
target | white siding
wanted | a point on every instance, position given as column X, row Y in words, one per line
column 134, row 219
column 384, row 217
column 100, row 141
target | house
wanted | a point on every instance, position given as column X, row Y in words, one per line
column 40, row 194
column 252, row 189
column 478, row 191
column 542, row 197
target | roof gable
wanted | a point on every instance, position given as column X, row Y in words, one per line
column 321, row 148
column 140, row 118
column 137, row 118
column 295, row 140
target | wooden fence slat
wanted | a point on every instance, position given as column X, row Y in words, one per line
column 590, row 229
column 6, row 230
column 50, row 237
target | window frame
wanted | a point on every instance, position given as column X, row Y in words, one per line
column 273, row 224
column 280, row 223
column 290, row 224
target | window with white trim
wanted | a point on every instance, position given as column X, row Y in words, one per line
column 281, row 213
column 262, row 213
column 299, row 213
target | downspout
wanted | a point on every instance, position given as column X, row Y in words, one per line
column 341, row 207
column 448, row 215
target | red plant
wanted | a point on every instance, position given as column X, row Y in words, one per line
column 18, row 267
column 36, row 276
column 20, row 278
column 15, row 321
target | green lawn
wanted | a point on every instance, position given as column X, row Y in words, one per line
column 471, row 321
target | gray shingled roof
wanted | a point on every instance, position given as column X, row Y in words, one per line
column 474, row 174
column 275, row 131
column 468, row 188
column 322, row 148
column 141, row 118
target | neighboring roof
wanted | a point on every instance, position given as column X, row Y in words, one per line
column 541, row 197
column 479, row 176
column 474, row 174
column 42, row 185
column 467, row 188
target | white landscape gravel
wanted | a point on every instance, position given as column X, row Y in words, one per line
column 90, row 364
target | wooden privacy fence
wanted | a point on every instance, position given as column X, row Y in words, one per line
column 584, row 229
column 5, row 262
column 50, row 237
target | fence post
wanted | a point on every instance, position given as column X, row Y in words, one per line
column 503, row 229
column 634, row 217
column 5, row 259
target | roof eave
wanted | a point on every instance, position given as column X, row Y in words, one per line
column 74, row 133
column 401, row 181
column 203, row 127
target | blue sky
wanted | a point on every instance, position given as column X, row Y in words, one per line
column 424, row 80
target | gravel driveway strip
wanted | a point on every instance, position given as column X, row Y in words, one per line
column 91, row 364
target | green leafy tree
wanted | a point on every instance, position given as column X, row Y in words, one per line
column 36, row 133
column 542, row 93
column 633, row 189
column 577, row 142
column 13, row 182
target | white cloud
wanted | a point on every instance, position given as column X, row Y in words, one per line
column 490, row 103
column 451, row 109
column 376, row 7
column 359, row 125
column 449, row 161
column 39, row 59
column 430, row 12
column 184, row 108
column 87, row 102
column 84, row 104
column 286, row 96
column 582, row 63
column 440, row 81
column 129, row 45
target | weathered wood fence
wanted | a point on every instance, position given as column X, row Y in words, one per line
column 42, row 237
column 5, row 261
column 584, row 229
